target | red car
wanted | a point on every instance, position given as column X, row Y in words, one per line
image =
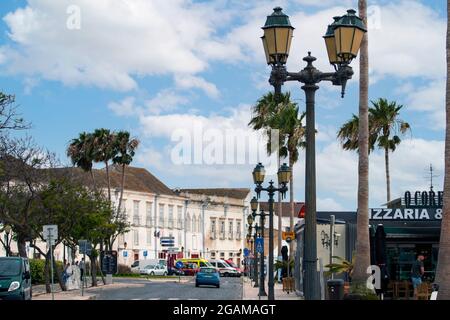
column 234, row 266
column 190, row 269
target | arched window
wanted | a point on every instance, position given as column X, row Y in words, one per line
column 199, row 225
column 188, row 222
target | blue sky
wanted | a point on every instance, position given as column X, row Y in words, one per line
column 152, row 67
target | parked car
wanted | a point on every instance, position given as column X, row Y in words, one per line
column 154, row 270
column 15, row 279
column 224, row 269
column 207, row 276
column 175, row 272
column 198, row 261
column 141, row 264
column 233, row 265
column 189, row 269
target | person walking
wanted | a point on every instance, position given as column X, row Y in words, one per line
column 82, row 266
column 417, row 271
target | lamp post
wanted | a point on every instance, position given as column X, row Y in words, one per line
column 7, row 230
column 284, row 175
column 262, row 215
column 252, row 239
column 342, row 39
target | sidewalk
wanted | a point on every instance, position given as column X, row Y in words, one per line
column 39, row 292
column 251, row 293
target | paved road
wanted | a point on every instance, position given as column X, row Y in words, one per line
column 230, row 289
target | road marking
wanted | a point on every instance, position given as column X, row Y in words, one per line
column 154, row 299
column 173, row 299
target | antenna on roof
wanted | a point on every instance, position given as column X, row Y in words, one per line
column 430, row 176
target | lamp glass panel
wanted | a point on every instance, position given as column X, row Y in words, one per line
column 290, row 36
column 359, row 34
column 331, row 49
column 282, row 38
column 269, row 34
column 269, row 59
column 344, row 41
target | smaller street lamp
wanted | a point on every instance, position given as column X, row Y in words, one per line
column 7, row 229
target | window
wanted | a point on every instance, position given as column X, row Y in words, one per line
column 149, row 236
column 231, row 255
column 180, row 239
column 179, row 217
column 161, row 216
column 194, row 224
column 136, row 213
column 188, row 222
column 213, row 255
column 230, row 229
column 149, row 214
column 170, row 217
column 202, row 264
column 222, row 229
column 213, row 229
column 136, row 237
column 222, row 255
column 220, row 265
column 238, row 230
column 199, row 227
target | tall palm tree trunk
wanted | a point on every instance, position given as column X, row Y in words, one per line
column 443, row 265
column 122, row 186
column 108, row 180
column 388, row 174
column 93, row 179
column 362, row 257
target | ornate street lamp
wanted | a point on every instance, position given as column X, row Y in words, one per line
column 277, row 37
column 284, row 174
column 343, row 39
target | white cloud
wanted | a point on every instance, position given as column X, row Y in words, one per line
column 189, row 82
column 328, row 204
column 337, row 171
column 118, row 39
column 429, row 99
column 125, row 107
column 165, row 100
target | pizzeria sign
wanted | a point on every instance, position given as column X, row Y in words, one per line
column 409, row 214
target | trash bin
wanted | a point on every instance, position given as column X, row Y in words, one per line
column 335, row 289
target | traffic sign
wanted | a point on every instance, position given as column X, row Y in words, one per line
column 145, row 253
column 259, row 245
column 125, row 253
column 85, row 247
column 167, row 241
column 246, row 252
column 288, row 236
column 179, row 265
column 50, row 233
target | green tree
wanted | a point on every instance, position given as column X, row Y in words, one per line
column 385, row 128
column 81, row 153
column 104, row 151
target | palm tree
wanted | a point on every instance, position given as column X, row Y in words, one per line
column 80, row 151
column 384, row 130
column 104, row 151
column 124, row 152
column 292, row 132
column 362, row 257
column 278, row 112
column 443, row 265
column 263, row 112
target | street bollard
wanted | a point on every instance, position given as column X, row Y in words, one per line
column 335, row 289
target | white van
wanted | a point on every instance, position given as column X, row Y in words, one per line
column 139, row 265
column 224, row 268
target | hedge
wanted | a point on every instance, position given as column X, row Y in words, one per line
column 37, row 270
